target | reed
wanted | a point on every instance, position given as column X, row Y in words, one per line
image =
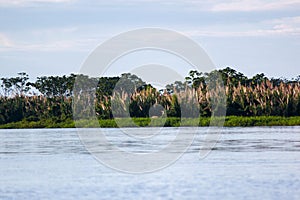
column 254, row 97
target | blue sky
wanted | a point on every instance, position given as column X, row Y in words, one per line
column 54, row 37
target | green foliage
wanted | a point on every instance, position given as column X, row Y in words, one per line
column 262, row 121
column 48, row 101
column 16, row 86
column 230, row 121
column 175, row 110
column 53, row 86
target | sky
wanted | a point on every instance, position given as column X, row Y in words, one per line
column 54, row 37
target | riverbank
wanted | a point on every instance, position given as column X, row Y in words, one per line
column 230, row 121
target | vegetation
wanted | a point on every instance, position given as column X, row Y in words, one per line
column 230, row 121
column 51, row 101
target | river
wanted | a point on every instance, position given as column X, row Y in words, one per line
column 246, row 163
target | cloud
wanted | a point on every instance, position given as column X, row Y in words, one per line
column 4, row 41
column 78, row 38
column 59, row 45
column 77, row 45
column 87, row 3
column 288, row 26
column 49, row 39
column 282, row 31
column 216, row 5
column 8, row 3
column 54, row 31
column 255, row 5
column 211, row 5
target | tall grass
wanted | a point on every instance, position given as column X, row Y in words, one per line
column 253, row 101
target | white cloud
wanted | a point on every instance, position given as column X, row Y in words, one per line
column 217, row 5
column 247, row 33
column 60, row 45
column 52, row 46
column 255, row 5
column 7, row 3
column 289, row 26
column 5, row 41
column 50, row 39
column 208, row 5
column 79, row 39
column 294, row 21
column 54, row 31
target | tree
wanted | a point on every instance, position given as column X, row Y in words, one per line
column 55, row 86
column 6, row 86
column 175, row 110
column 106, row 86
column 129, row 83
column 177, row 86
column 21, row 84
column 258, row 79
column 231, row 76
column 17, row 86
column 195, row 78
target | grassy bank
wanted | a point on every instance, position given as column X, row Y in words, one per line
column 230, row 121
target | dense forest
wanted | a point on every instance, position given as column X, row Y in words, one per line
column 51, row 97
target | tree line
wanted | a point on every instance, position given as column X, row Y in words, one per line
column 53, row 97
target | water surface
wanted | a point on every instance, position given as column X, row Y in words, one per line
column 248, row 163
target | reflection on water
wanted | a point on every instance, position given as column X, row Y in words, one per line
column 246, row 163
column 64, row 141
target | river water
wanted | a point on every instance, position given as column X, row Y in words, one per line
column 246, row 163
